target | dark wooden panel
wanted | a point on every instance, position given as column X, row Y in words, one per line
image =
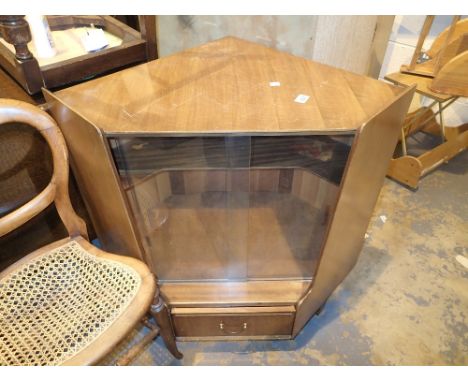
column 81, row 68
column 233, row 322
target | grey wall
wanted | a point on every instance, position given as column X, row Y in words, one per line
column 343, row 41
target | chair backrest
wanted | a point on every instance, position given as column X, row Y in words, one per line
column 57, row 190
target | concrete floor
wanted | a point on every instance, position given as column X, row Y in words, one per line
column 404, row 303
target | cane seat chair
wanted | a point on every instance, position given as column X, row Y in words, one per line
column 68, row 303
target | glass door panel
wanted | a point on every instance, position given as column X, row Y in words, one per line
column 234, row 208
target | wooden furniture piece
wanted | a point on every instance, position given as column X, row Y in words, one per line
column 23, row 175
column 25, row 143
column 440, row 74
column 69, row 302
column 19, row 62
column 245, row 177
column 446, row 62
column 409, row 169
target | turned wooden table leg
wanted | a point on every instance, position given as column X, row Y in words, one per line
column 15, row 31
column 25, row 68
column 161, row 314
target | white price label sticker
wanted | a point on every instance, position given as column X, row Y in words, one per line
column 302, row 98
column 275, row 84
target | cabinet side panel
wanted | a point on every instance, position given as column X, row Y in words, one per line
column 363, row 179
column 97, row 179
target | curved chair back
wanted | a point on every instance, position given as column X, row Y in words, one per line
column 57, row 190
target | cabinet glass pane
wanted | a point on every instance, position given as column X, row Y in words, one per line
column 232, row 208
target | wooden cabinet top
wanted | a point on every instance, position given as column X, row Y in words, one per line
column 228, row 85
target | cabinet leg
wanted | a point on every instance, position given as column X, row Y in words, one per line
column 161, row 314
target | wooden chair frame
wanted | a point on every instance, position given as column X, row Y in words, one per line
column 442, row 77
column 408, row 169
column 446, row 62
column 147, row 299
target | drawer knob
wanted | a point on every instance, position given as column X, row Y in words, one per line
column 235, row 331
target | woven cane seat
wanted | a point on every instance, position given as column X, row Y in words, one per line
column 56, row 304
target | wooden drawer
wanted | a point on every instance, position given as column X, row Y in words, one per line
column 234, row 323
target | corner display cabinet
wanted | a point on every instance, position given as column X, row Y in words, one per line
column 245, row 177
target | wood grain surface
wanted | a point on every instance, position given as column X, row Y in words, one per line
column 224, row 294
column 224, row 86
column 365, row 173
column 222, row 90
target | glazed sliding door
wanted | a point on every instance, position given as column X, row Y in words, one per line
column 190, row 200
column 232, row 208
column 294, row 187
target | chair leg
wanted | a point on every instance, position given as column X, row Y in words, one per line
column 160, row 313
column 135, row 350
